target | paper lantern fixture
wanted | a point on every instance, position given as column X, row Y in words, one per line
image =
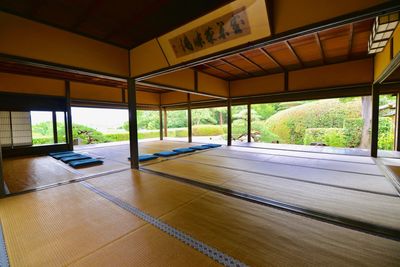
column 382, row 30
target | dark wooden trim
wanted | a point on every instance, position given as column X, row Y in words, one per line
column 271, row 58
column 68, row 122
column 286, row 81
column 385, row 8
column 253, row 63
column 397, row 128
column 249, row 123
column 97, row 104
column 133, row 137
column 229, row 122
column 161, row 123
column 33, row 150
column 321, row 49
column 55, row 133
column 189, row 118
column 196, row 81
column 175, row 88
column 391, row 48
column 351, row 36
column 236, row 67
column 11, row 130
column 123, row 97
column 2, row 183
column 294, row 53
column 374, row 120
column 221, row 70
column 165, row 56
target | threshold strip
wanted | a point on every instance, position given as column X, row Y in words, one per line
column 293, row 156
column 3, row 250
column 297, row 179
column 203, row 248
column 356, row 225
column 298, row 165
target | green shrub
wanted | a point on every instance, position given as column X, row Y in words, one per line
column 87, row 135
column 148, row 134
column 239, row 127
column 290, row 124
column 329, row 136
column 352, row 130
column 116, row 137
column 385, row 134
column 42, row 140
column 207, row 130
column 181, row 132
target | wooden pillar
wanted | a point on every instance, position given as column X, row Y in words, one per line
column 165, row 123
column 55, row 133
column 2, row 184
column 229, row 123
column 189, row 119
column 161, row 123
column 397, row 129
column 68, row 122
column 133, row 138
column 374, row 121
column 249, row 123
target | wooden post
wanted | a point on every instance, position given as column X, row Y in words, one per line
column 133, row 138
column 397, row 129
column 189, row 119
column 374, row 121
column 229, row 123
column 165, row 123
column 2, row 184
column 249, row 123
column 68, row 122
column 55, row 133
column 161, row 123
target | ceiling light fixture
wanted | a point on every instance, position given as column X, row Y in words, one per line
column 382, row 31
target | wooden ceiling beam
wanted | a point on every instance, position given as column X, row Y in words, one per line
column 321, row 49
column 271, row 58
column 294, row 53
column 252, row 62
column 236, row 67
column 208, row 73
column 221, row 70
column 351, row 36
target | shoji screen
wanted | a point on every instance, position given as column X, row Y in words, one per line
column 21, row 128
column 5, row 129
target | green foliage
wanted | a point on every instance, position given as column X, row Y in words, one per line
column 177, row 118
column 352, row 130
column 87, row 135
column 264, row 111
column 207, row 130
column 148, row 134
column 329, row 136
column 183, row 132
column 42, row 140
column 116, row 137
column 290, row 124
column 385, row 134
column 203, row 116
column 239, row 127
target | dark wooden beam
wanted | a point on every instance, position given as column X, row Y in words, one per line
column 321, row 49
column 161, row 123
column 189, row 118
column 397, row 129
column 2, row 183
column 55, row 133
column 196, row 81
column 133, row 137
column 294, row 53
column 249, row 123
column 221, row 70
column 374, row 121
column 286, row 81
column 229, row 122
column 271, row 58
column 68, row 122
column 236, row 67
column 351, row 34
column 253, row 63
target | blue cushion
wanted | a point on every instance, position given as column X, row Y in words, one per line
column 59, row 153
column 85, row 162
column 146, row 157
column 183, row 150
column 166, row 153
column 65, row 155
column 199, row 147
column 72, row 158
column 212, row 145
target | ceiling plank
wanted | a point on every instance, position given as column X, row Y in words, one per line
column 221, row 70
column 321, row 49
column 88, row 12
column 265, row 53
column 252, row 62
column 294, row 53
column 236, row 67
column 351, row 36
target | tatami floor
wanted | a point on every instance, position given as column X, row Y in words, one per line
column 229, row 205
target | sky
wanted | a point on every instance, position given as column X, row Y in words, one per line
column 98, row 118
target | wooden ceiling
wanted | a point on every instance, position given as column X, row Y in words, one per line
column 125, row 23
column 347, row 42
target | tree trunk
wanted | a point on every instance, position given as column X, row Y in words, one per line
column 366, row 112
column 221, row 120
